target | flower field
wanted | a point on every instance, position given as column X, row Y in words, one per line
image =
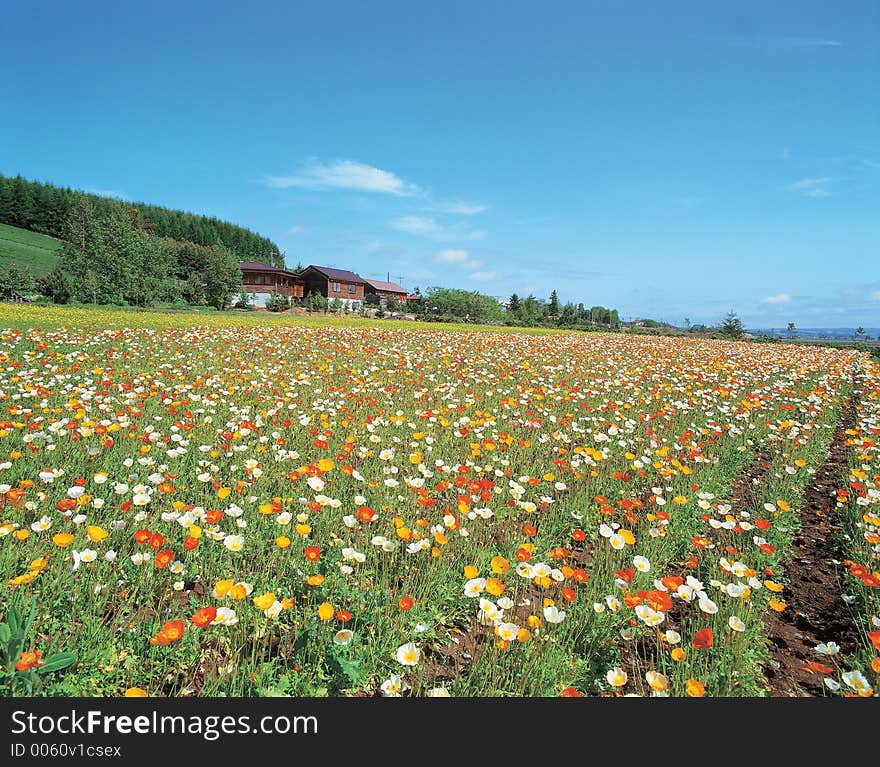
column 206, row 506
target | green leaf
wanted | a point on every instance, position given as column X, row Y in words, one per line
column 57, row 661
column 30, row 618
column 352, row 669
column 5, row 633
column 14, row 622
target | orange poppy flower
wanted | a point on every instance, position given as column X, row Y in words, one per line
column 28, row 660
column 405, row 603
column 163, row 558
column 818, row 668
column 204, row 616
column 694, row 688
column 658, row 600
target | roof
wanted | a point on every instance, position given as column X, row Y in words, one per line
column 259, row 266
column 391, row 287
column 338, row 274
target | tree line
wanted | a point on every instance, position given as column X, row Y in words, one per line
column 453, row 304
column 110, row 255
column 45, row 208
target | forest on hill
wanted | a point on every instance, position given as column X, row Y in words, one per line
column 45, row 208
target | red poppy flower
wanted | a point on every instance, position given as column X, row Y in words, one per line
column 405, row 603
column 578, row 534
column 313, row 553
column 703, row 639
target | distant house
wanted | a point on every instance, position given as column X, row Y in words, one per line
column 260, row 280
column 385, row 290
column 334, row 283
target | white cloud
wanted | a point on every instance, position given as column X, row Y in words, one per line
column 296, row 229
column 781, row 298
column 416, row 224
column 812, row 187
column 345, row 174
column 451, row 256
column 875, row 295
column 484, row 276
column 461, row 208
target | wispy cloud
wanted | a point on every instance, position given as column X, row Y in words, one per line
column 105, row 192
column 458, row 257
column 786, row 43
column 430, row 227
column 460, row 208
column 875, row 295
column 452, row 256
column 781, row 298
column 345, row 174
column 416, row 224
column 812, row 187
column 484, row 276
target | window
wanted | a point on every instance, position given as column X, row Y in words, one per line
column 352, row 289
column 261, row 279
column 335, row 287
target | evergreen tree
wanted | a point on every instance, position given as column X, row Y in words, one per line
column 553, row 305
column 513, row 304
column 57, row 286
column 731, row 326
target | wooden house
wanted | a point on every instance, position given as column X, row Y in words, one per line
column 334, row 283
column 260, row 280
column 385, row 290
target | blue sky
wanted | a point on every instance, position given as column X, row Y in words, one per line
column 672, row 160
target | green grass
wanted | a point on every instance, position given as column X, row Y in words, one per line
column 28, row 252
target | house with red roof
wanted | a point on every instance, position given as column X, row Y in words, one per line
column 385, row 290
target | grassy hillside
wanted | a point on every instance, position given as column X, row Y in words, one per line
column 28, row 252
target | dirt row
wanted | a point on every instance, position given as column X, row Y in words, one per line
column 816, row 610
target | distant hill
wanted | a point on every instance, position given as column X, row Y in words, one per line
column 29, row 252
column 826, row 333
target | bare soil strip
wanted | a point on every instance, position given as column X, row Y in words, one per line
column 816, row 611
